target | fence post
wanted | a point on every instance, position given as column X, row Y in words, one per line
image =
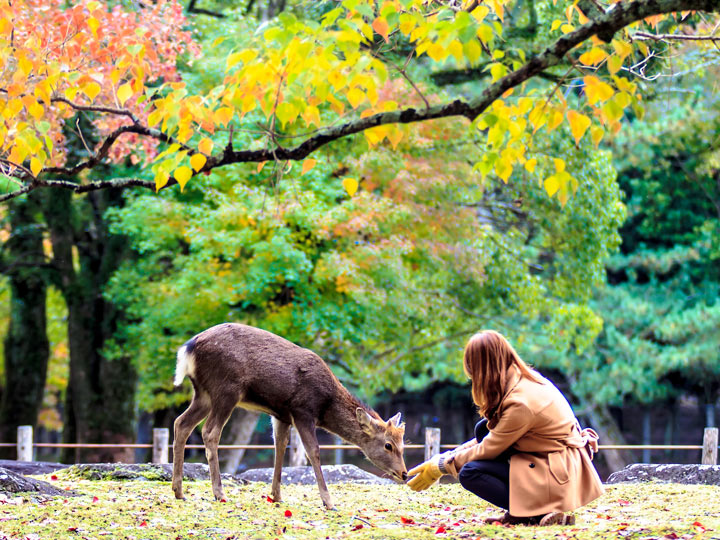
column 297, row 450
column 432, row 442
column 710, row 446
column 161, row 436
column 24, row 443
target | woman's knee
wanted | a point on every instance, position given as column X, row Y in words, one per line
column 481, row 430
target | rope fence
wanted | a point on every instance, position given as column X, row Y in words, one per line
column 161, row 446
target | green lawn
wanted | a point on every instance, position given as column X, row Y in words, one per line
column 145, row 510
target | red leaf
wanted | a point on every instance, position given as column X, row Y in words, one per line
column 357, row 527
column 95, row 499
column 143, row 524
column 382, row 510
column 72, row 529
column 440, row 530
column 53, row 477
column 699, row 525
column 223, row 500
column 407, row 521
column 623, row 502
column 269, row 499
column 671, row 536
column 288, row 513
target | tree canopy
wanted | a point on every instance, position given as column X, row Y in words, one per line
column 300, row 83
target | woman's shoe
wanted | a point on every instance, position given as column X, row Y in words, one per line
column 557, row 518
column 509, row 519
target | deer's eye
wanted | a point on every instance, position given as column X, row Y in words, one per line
column 388, row 447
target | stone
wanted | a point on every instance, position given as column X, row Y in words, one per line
column 31, row 467
column 11, row 482
column 334, row 474
column 667, row 473
column 142, row 471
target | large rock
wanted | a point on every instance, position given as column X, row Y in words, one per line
column 140, row 471
column 31, row 467
column 11, row 482
column 334, row 474
column 678, row 474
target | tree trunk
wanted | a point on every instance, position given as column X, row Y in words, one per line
column 100, row 397
column 238, row 430
column 26, row 344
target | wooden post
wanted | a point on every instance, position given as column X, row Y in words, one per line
column 710, row 446
column 338, row 451
column 161, row 436
column 24, row 443
column 297, row 450
column 432, row 442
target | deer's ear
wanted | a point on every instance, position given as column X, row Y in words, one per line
column 365, row 420
column 397, row 421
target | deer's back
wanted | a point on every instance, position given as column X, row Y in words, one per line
column 260, row 370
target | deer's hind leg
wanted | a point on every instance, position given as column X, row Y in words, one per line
column 281, row 435
column 184, row 424
column 219, row 415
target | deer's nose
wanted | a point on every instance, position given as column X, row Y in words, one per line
column 404, row 476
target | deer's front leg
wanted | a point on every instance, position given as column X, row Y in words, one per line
column 306, row 430
column 281, row 434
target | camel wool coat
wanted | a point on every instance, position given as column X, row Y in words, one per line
column 551, row 469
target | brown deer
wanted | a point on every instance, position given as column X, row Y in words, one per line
column 233, row 365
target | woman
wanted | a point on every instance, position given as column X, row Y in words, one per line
column 529, row 455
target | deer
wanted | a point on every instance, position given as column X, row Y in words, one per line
column 233, row 365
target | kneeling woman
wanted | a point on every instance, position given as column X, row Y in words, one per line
column 529, row 456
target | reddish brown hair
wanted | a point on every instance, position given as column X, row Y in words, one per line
column 488, row 357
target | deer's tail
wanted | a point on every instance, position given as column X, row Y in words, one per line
column 185, row 358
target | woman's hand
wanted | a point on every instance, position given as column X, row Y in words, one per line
column 429, row 472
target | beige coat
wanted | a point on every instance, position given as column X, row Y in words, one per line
column 552, row 469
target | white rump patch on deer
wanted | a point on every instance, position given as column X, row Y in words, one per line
column 184, row 365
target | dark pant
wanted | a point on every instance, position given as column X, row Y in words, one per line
column 489, row 479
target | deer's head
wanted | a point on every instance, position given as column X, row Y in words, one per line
column 384, row 443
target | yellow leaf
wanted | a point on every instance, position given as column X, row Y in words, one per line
column 530, row 165
column 25, row 65
column 356, row 97
column 311, row 115
column 233, row 60
column 124, row 93
column 567, row 28
column 497, row 8
column 35, row 166
column 395, row 136
column 593, row 56
column 380, row 26
column 503, row 169
column 308, row 164
column 161, row 179
column 597, row 90
column 36, row 110
column 556, row 118
column 91, row 90
column 578, row 124
column 559, row 164
column 197, row 162
column 456, row 49
column 597, row 133
column 480, row 12
column 205, row 146
column 497, row 71
column 473, row 51
column 94, row 24
column 154, row 117
column 552, row 184
column 93, row 6
column 350, row 185
column 223, row 115
column 614, row 64
column 485, row 33
column 260, row 166
column 182, row 175
column 437, row 52
column 555, row 25
column 621, row 48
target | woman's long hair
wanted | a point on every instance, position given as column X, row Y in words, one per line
column 488, row 357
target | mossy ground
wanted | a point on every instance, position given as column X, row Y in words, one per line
column 148, row 510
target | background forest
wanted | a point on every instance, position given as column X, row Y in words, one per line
column 384, row 260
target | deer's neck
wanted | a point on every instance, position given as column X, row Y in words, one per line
column 341, row 419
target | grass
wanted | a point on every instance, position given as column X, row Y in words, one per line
column 136, row 510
